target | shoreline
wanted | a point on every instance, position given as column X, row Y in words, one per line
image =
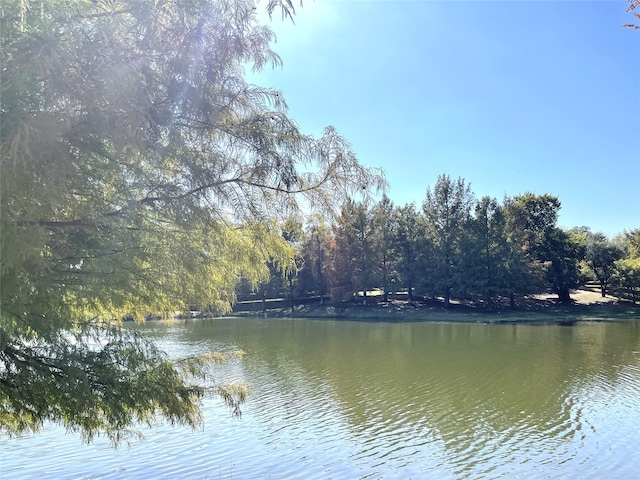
column 586, row 306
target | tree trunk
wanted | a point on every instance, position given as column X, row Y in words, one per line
column 512, row 300
column 563, row 295
column 488, row 301
column 293, row 299
column 603, row 289
column 447, row 297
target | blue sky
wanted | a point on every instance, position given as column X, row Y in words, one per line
column 513, row 96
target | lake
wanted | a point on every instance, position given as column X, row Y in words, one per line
column 369, row 400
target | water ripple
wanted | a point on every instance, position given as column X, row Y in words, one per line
column 348, row 401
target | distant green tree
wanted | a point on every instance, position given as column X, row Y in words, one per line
column 410, row 246
column 293, row 233
column 601, row 255
column 447, row 209
column 283, row 276
column 562, row 252
column 315, row 251
column 140, row 173
column 532, row 215
column 384, row 225
column 486, row 251
column 629, row 242
column 547, row 252
column 627, row 270
column 274, row 285
column 355, row 265
column 526, row 272
column 627, row 276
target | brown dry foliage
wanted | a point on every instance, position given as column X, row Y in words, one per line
column 633, row 4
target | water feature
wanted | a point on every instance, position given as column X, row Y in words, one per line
column 341, row 399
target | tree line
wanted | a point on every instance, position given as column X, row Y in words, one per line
column 454, row 246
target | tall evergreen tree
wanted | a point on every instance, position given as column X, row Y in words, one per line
column 410, row 245
column 485, row 268
column 384, row 224
column 314, row 273
column 447, row 209
column 355, row 263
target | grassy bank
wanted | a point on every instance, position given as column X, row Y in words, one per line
column 586, row 305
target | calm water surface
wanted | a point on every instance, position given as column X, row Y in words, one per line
column 351, row 400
